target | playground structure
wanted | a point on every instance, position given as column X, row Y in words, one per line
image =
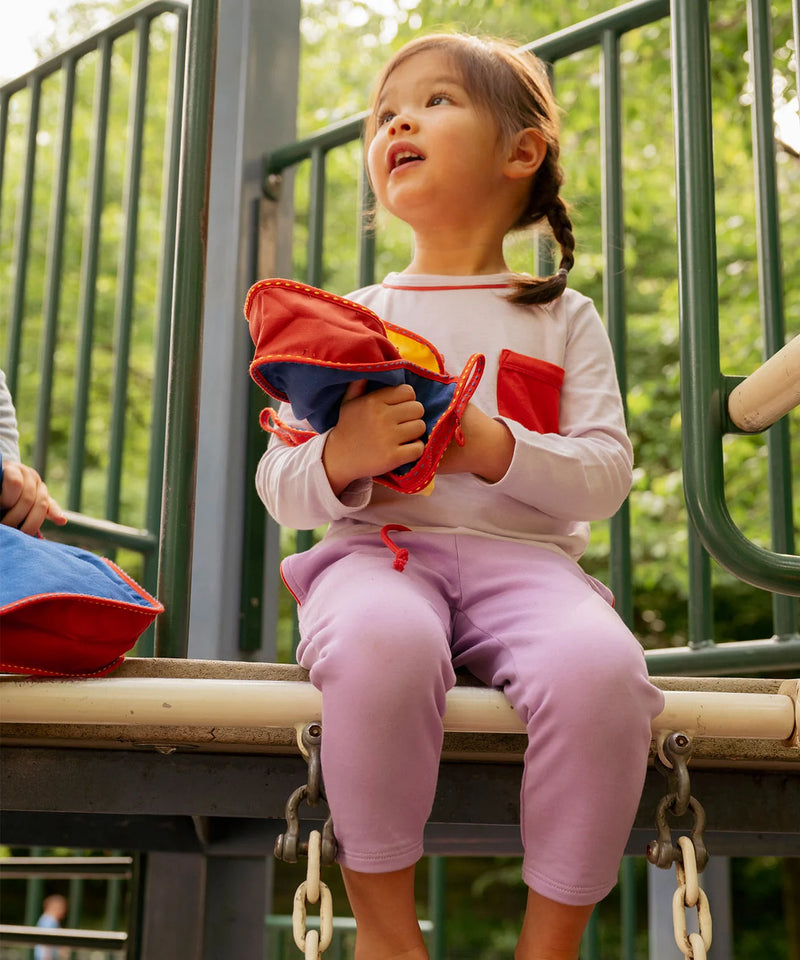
column 192, row 760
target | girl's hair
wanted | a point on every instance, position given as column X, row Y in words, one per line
column 513, row 86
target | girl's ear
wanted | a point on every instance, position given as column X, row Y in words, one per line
column 526, row 154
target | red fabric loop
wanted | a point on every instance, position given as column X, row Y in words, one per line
column 400, row 553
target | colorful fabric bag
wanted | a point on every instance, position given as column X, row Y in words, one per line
column 65, row 612
column 310, row 344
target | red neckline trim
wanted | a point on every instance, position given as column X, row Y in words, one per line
column 469, row 286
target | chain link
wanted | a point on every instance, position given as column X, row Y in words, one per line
column 688, row 896
column 663, row 852
column 320, row 849
column 689, row 854
column 288, row 846
column 313, row 890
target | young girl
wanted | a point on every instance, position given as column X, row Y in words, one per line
column 462, row 145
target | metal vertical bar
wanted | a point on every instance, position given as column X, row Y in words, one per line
column 177, row 510
column 4, row 99
column 543, row 247
column 627, row 882
column 91, row 253
column 771, row 291
column 696, row 251
column 304, row 539
column 366, row 232
column 613, row 223
column 169, row 216
column 22, row 240
column 34, row 897
column 55, row 247
column 701, row 604
column 256, row 523
column 75, row 901
column 112, row 919
column 437, row 889
column 590, row 943
column 123, row 319
column 316, row 217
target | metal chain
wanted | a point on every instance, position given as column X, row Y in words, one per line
column 663, row 852
column 320, row 850
column 689, row 854
column 689, row 895
column 312, row 890
column 288, row 846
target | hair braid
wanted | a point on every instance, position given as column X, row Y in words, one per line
column 546, row 204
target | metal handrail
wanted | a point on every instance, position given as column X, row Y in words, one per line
column 64, row 937
column 117, row 28
column 85, row 868
column 704, row 392
column 154, row 701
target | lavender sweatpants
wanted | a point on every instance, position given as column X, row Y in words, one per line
column 381, row 645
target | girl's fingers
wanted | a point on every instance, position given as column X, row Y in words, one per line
column 354, row 389
column 55, row 513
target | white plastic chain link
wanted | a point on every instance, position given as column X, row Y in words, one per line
column 312, row 890
column 688, row 896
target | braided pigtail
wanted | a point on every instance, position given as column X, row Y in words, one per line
column 545, row 203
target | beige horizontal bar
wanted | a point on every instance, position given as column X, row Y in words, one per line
column 106, row 940
column 285, row 703
column 85, row 868
column 768, row 393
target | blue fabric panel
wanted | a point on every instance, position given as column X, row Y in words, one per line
column 315, row 391
column 30, row 567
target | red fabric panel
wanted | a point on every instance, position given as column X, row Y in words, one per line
column 528, row 391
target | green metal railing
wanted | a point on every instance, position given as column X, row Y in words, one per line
column 21, row 102
column 44, row 873
column 704, row 389
column 162, row 534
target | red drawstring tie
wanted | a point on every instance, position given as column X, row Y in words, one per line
column 458, row 433
column 400, row 553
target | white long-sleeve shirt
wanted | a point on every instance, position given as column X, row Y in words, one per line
column 576, row 471
column 9, row 437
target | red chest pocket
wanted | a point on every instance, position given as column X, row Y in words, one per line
column 528, row 391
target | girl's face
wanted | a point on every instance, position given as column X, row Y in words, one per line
column 436, row 159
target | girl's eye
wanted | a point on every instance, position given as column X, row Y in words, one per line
column 438, row 98
column 385, row 118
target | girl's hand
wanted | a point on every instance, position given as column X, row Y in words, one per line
column 487, row 451
column 377, row 432
column 24, row 499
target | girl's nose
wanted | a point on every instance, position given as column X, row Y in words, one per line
column 401, row 123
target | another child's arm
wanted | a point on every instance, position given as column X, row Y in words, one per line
column 25, row 502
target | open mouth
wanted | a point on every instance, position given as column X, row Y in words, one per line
column 404, row 157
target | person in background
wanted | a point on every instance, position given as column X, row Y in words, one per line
column 25, row 501
column 54, row 911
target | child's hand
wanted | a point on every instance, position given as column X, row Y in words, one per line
column 487, row 451
column 377, row 432
column 24, row 499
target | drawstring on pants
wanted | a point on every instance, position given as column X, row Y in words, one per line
column 400, row 553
